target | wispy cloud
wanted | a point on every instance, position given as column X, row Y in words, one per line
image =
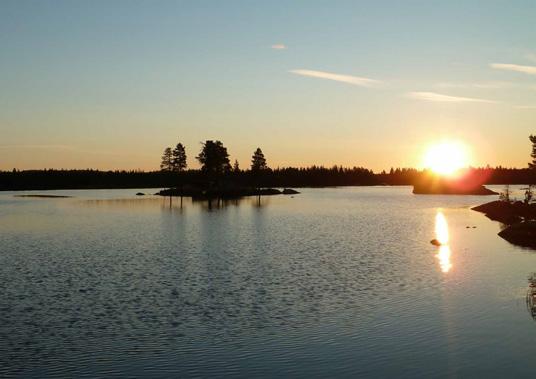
column 525, row 106
column 438, row 97
column 279, row 46
column 349, row 79
column 478, row 85
column 531, row 70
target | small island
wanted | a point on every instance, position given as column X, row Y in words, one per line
column 465, row 182
column 39, row 196
column 223, row 192
column 216, row 180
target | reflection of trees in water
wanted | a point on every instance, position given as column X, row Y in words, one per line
column 531, row 295
column 176, row 203
column 218, row 203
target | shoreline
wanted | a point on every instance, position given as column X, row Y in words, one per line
column 519, row 219
column 85, row 188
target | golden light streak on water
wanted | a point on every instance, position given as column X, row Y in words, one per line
column 442, row 236
column 444, row 258
column 441, row 228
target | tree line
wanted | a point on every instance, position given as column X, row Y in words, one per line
column 216, row 168
column 313, row 176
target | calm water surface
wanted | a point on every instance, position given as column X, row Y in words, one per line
column 332, row 282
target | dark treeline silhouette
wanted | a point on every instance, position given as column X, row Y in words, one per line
column 502, row 175
column 217, row 172
column 314, row 176
column 81, row 179
column 91, row 179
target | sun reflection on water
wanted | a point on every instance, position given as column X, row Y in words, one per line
column 444, row 258
column 442, row 236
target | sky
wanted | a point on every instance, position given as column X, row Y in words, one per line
column 110, row 84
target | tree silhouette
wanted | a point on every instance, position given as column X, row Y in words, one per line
column 532, row 164
column 236, row 166
column 166, row 164
column 258, row 162
column 214, row 158
column 178, row 160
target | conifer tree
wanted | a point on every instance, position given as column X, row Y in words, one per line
column 258, row 161
column 214, row 158
column 236, row 166
column 532, row 164
column 178, row 160
column 166, row 164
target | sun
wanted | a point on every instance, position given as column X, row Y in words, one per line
column 446, row 158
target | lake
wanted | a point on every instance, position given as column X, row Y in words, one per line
column 336, row 282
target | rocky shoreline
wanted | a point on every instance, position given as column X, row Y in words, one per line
column 518, row 217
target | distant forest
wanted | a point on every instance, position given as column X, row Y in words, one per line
column 217, row 172
column 315, row 176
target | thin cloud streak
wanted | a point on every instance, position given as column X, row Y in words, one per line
column 438, row 97
column 349, row 79
column 530, row 70
column 525, row 107
column 279, row 46
column 477, row 85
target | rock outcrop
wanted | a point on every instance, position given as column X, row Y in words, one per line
column 521, row 234
column 519, row 218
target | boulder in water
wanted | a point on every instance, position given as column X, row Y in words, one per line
column 435, row 242
column 522, row 234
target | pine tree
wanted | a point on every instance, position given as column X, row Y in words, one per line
column 532, row 164
column 236, row 166
column 178, row 159
column 166, row 164
column 258, row 162
column 214, row 158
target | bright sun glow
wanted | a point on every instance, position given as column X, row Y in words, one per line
column 446, row 158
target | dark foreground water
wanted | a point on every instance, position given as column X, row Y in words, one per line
column 331, row 282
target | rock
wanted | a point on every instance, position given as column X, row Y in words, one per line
column 505, row 212
column 522, row 234
column 435, row 242
column 289, row 191
column 140, row 194
column 268, row 191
